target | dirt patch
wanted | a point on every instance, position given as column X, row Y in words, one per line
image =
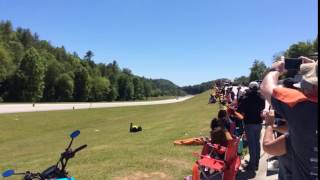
column 145, row 176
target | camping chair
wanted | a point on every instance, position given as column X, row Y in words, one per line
column 217, row 162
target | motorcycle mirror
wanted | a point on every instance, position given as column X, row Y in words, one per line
column 8, row 173
column 75, row 134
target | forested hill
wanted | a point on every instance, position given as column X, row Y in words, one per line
column 33, row 70
column 166, row 87
column 199, row 88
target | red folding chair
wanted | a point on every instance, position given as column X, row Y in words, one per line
column 217, row 162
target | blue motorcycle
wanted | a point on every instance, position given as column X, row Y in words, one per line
column 55, row 172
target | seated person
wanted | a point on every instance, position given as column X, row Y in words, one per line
column 219, row 134
column 227, row 122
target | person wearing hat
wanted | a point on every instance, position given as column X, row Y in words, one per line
column 251, row 107
column 299, row 108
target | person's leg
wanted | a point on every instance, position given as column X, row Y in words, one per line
column 258, row 128
column 254, row 143
column 251, row 144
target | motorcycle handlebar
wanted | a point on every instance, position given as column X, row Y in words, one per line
column 79, row 148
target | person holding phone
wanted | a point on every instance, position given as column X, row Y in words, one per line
column 299, row 108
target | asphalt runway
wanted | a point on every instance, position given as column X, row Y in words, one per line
column 30, row 107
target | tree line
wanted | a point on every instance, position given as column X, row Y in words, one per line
column 258, row 69
column 33, row 70
column 199, row 88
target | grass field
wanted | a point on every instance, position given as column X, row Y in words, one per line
column 33, row 141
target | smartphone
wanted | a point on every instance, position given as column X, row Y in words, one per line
column 292, row 63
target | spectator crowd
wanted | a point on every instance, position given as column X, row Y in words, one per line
column 285, row 107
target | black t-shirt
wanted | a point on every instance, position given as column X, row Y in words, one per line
column 302, row 143
column 251, row 106
column 232, row 95
column 285, row 162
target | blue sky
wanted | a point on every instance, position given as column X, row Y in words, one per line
column 185, row 41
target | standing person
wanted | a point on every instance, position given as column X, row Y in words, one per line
column 228, row 96
column 232, row 94
column 251, row 108
column 277, row 145
column 300, row 109
column 238, row 92
column 213, row 92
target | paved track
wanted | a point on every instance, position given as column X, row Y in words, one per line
column 28, row 107
column 261, row 174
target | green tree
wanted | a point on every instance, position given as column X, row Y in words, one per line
column 242, row 80
column 126, row 89
column 25, row 37
column 60, row 54
column 147, row 88
column 4, row 64
column 6, row 30
column 315, row 45
column 138, row 88
column 113, row 94
column 81, row 84
column 89, row 55
column 112, row 72
column 300, row 49
column 16, row 51
column 30, row 75
column 88, row 58
column 54, row 70
column 64, row 88
column 257, row 70
column 100, row 88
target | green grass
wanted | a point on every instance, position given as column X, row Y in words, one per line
column 33, row 141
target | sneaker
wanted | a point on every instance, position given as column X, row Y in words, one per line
column 247, row 166
column 272, row 166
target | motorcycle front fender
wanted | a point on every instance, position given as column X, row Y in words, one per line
column 72, row 178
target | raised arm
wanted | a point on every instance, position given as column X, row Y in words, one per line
column 270, row 81
column 270, row 144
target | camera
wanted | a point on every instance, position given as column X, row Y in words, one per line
column 292, row 65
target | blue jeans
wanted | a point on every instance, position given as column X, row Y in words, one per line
column 253, row 132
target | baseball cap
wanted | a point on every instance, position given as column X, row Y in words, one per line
column 309, row 81
column 253, row 85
